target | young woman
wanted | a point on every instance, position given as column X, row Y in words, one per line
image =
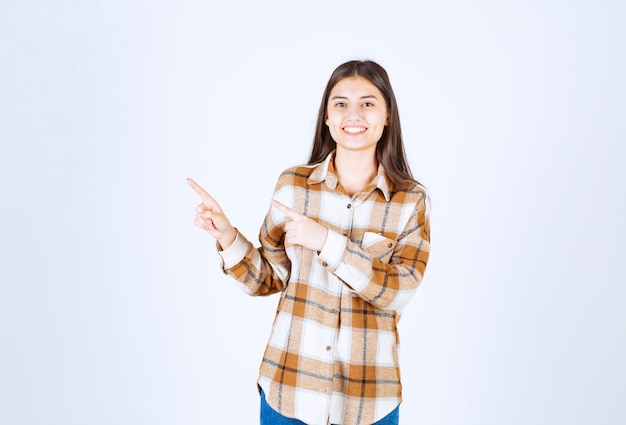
column 345, row 243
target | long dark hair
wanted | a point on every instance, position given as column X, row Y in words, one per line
column 390, row 148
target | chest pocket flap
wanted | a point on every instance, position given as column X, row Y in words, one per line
column 378, row 245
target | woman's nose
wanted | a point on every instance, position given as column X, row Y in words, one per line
column 354, row 113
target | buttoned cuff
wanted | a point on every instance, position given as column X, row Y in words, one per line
column 331, row 254
column 233, row 255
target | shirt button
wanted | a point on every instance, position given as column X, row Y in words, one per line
column 349, row 206
column 328, row 348
column 324, row 263
column 390, row 245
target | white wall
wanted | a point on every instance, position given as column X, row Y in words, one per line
column 112, row 305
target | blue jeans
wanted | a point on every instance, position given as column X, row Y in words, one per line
column 271, row 417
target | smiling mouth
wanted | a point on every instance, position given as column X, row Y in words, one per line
column 354, row 130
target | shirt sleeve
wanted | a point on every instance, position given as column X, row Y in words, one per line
column 383, row 272
column 259, row 271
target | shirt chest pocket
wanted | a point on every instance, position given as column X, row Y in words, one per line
column 378, row 245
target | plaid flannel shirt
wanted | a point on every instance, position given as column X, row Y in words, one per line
column 332, row 356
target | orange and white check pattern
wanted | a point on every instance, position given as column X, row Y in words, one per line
column 332, row 356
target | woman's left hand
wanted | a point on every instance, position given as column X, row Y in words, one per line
column 301, row 230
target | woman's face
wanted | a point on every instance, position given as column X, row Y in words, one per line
column 356, row 114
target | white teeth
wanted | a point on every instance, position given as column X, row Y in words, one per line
column 354, row 130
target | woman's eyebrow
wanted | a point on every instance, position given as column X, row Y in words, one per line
column 367, row 96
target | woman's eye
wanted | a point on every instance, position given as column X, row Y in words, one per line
column 368, row 104
column 340, row 104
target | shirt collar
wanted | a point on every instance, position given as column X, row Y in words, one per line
column 325, row 172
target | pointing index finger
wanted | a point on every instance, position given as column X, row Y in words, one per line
column 203, row 194
column 290, row 213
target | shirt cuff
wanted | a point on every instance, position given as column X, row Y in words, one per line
column 233, row 255
column 334, row 247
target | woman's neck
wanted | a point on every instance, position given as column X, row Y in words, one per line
column 355, row 170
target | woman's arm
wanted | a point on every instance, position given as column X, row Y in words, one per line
column 261, row 271
column 384, row 272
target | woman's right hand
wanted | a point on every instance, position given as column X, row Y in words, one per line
column 210, row 217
